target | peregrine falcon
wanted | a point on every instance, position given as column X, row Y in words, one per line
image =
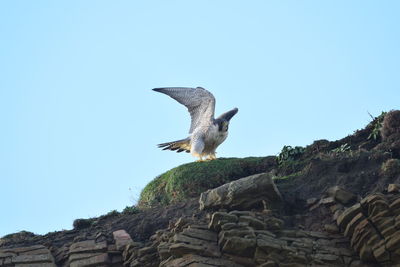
column 206, row 133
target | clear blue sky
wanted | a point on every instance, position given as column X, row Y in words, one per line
column 80, row 124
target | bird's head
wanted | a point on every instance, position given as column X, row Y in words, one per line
column 228, row 115
column 223, row 120
column 222, row 124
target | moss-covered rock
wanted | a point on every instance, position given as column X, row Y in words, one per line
column 189, row 180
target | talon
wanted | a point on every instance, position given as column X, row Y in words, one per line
column 211, row 157
column 200, row 159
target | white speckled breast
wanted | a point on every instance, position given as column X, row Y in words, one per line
column 213, row 138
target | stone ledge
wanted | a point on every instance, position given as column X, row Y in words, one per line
column 243, row 193
column 33, row 256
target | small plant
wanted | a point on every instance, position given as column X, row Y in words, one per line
column 131, row 210
column 342, row 149
column 377, row 125
column 290, row 153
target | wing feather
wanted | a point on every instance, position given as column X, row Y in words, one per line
column 180, row 145
column 199, row 102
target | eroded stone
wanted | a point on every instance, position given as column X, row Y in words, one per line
column 240, row 246
column 243, row 193
column 122, row 238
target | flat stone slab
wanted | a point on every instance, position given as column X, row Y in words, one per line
column 82, row 256
column 181, row 249
column 122, row 238
column 33, row 256
column 348, row 215
column 6, row 254
column 97, row 260
column 42, row 264
column 205, row 235
column 242, row 194
column 88, row 246
column 196, row 260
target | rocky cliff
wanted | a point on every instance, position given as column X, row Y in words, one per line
column 328, row 204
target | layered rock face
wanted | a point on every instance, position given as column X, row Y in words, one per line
column 373, row 227
column 83, row 253
column 242, row 237
column 358, row 232
column 34, row 256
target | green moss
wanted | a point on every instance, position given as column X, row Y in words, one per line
column 189, row 180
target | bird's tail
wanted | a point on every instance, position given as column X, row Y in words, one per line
column 179, row 146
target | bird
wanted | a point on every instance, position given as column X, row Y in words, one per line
column 206, row 133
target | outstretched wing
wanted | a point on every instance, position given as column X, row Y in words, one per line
column 199, row 102
column 179, row 146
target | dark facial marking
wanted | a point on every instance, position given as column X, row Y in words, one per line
column 220, row 125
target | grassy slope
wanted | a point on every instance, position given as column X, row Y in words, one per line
column 189, row 180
